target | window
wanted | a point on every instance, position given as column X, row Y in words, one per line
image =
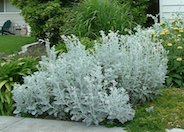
column 1, row 5
column 6, row 6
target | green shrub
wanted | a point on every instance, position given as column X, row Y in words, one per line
column 171, row 34
column 138, row 10
column 91, row 16
column 12, row 71
column 44, row 17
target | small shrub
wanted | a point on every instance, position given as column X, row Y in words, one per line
column 135, row 62
column 44, row 17
column 72, row 83
column 12, row 71
column 92, row 86
column 171, row 34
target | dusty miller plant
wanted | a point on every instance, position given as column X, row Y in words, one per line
column 72, row 83
column 96, row 85
column 135, row 62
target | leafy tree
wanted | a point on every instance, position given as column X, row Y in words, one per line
column 44, row 16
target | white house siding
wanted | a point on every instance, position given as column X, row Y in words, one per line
column 170, row 7
column 15, row 17
column 10, row 12
column 17, row 22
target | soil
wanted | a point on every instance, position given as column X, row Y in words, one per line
column 37, row 50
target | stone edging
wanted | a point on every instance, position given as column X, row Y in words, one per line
column 25, row 47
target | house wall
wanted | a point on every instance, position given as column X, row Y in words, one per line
column 19, row 27
column 10, row 12
column 15, row 17
column 169, row 7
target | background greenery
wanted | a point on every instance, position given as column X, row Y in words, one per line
column 91, row 16
column 12, row 71
column 88, row 17
column 138, row 9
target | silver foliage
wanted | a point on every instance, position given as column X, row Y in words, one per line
column 135, row 62
column 72, row 83
column 92, row 87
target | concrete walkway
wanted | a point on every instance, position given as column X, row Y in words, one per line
column 13, row 124
column 175, row 130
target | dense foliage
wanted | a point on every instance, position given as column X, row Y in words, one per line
column 44, row 17
column 171, row 34
column 72, row 83
column 47, row 18
column 95, row 86
column 135, row 62
column 138, row 9
column 91, row 16
column 10, row 72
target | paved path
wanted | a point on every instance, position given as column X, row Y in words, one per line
column 175, row 130
column 13, row 124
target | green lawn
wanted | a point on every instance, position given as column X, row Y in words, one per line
column 167, row 111
column 11, row 44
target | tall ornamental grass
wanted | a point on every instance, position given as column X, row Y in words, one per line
column 91, row 16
